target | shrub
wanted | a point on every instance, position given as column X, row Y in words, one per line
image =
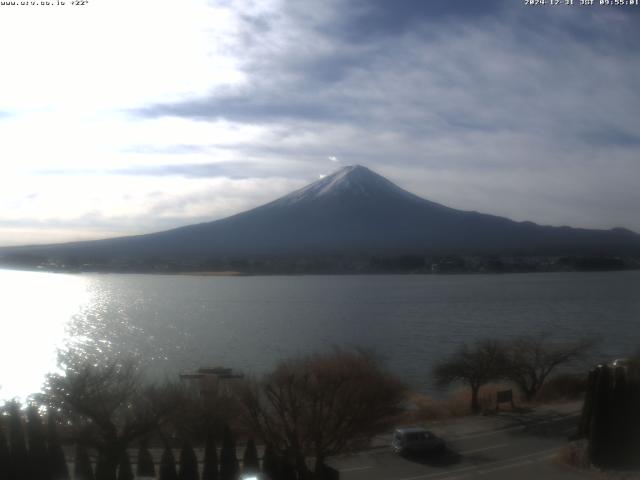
column 564, row 386
column 456, row 404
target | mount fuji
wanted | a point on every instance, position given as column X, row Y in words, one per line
column 353, row 211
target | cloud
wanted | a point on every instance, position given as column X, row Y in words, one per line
column 230, row 170
column 486, row 75
column 157, row 49
column 271, row 107
column 367, row 20
column 493, row 106
column 535, row 104
column 122, row 204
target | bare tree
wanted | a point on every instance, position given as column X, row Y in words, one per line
column 474, row 365
column 110, row 406
column 531, row 359
column 321, row 405
column 204, row 410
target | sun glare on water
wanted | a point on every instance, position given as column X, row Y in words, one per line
column 36, row 309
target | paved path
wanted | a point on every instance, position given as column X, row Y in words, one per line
column 518, row 445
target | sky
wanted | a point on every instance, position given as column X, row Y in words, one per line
column 120, row 117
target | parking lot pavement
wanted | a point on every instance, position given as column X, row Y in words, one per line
column 508, row 447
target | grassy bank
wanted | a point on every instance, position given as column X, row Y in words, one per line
column 558, row 389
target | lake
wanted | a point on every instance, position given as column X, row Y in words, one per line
column 177, row 322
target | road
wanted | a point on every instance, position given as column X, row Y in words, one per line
column 505, row 447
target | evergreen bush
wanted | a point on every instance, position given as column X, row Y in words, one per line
column 56, row 459
column 210, row 470
column 250, row 461
column 17, row 444
column 82, row 468
column 229, row 467
column 270, row 464
column 125, row 472
column 168, row 466
column 5, row 456
column 38, row 458
column 188, row 463
column 145, row 467
column 610, row 418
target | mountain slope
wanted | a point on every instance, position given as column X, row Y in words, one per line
column 353, row 211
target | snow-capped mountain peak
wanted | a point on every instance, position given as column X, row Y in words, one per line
column 350, row 181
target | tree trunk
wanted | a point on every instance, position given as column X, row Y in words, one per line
column 475, row 403
column 319, row 469
column 529, row 394
column 301, row 465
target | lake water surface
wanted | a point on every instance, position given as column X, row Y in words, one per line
column 175, row 322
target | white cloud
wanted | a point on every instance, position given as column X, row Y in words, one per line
column 49, row 141
column 113, row 54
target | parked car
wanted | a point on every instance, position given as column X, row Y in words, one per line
column 413, row 440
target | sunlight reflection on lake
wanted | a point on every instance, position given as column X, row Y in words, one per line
column 36, row 308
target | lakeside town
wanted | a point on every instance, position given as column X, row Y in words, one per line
column 333, row 264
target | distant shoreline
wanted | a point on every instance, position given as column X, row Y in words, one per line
column 235, row 273
column 224, row 273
